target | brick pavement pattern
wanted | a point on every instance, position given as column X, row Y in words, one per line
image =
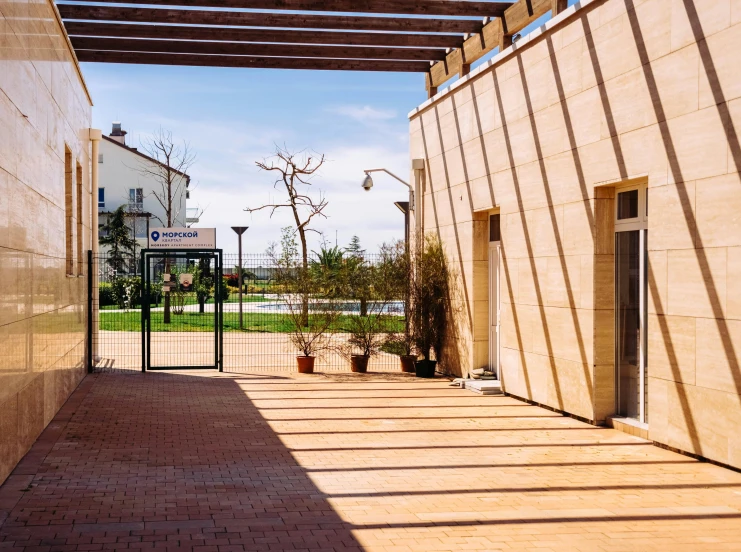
column 219, row 462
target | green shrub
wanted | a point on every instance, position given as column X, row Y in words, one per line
column 127, row 291
column 224, row 289
column 395, row 346
column 105, row 294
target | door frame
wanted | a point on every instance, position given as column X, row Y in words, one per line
column 495, row 311
column 639, row 224
column 494, row 291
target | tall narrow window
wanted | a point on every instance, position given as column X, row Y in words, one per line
column 69, row 226
column 631, row 262
column 495, row 237
column 78, row 199
column 101, row 198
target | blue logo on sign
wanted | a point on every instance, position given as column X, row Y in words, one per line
column 155, row 236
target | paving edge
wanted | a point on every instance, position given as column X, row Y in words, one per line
column 19, row 480
column 596, row 423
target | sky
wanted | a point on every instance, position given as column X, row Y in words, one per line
column 232, row 118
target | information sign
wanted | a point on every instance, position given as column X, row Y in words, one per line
column 182, row 238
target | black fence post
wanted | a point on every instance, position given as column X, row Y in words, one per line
column 90, row 292
column 220, row 282
column 145, row 304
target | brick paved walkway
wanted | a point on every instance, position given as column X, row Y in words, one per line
column 337, row 462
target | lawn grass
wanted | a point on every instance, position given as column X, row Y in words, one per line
column 193, row 301
column 204, row 322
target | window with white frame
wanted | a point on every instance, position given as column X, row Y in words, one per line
column 631, row 268
column 136, row 199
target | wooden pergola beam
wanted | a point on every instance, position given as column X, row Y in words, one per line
column 253, row 62
column 255, row 50
column 260, row 19
column 411, row 7
column 496, row 33
column 75, row 28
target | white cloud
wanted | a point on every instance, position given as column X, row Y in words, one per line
column 364, row 113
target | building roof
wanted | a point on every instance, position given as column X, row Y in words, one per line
column 144, row 155
column 439, row 38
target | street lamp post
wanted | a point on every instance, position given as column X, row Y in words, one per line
column 404, row 208
column 415, row 192
column 239, row 231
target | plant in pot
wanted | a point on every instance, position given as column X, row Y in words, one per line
column 401, row 345
column 430, row 310
column 308, row 334
column 395, row 262
column 309, row 313
column 370, row 327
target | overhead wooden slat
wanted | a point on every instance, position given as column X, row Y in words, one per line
column 496, row 33
column 523, row 12
column 75, row 28
column 260, row 19
column 415, row 7
column 254, row 62
column 473, row 49
column 251, row 49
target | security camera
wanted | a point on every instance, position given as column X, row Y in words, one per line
column 367, row 183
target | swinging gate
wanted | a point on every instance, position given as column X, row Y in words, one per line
column 180, row 328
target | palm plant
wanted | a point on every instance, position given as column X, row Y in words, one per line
column 327, row 268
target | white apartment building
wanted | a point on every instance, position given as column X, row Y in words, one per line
column 125, row 179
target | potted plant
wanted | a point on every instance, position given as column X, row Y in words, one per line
column 401, row 345
column 308, row 333
column 370, row 327
column 429, row 302
column 395, row 260
column 367, row 335
column 310, row 313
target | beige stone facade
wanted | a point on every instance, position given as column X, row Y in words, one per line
column 45, row 225
column 614, row 92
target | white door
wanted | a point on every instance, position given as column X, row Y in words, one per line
column 494, row 309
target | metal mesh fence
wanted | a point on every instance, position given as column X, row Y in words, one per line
column 261, row 343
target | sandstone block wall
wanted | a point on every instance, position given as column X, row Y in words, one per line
column 43, row 108
column 618, row 91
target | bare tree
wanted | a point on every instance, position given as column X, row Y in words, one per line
column 172, row 162
column 294, row 172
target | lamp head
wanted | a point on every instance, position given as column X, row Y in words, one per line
column 367, row 182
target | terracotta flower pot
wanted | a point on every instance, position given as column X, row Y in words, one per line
column 305, row 364
column 359, row 363
column 407, row 363
column 425, row 368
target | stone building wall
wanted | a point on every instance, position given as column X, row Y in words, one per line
column 44, row 118
column 612, row 92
